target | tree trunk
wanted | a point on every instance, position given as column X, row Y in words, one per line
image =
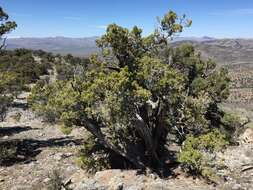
column 150, row 145
column 131, row 155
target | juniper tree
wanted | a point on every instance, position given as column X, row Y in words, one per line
column 5, row 26
column 6, row 79
column 138, row 92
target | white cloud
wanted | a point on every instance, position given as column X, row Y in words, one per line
column 233, row 12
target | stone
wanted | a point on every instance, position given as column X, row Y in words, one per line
column 247, row 136
column 6, row 137
column 118, row 186
column 46, row 180
column 237, row 187
column 90, row 185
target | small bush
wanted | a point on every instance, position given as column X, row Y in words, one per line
column 17, row 117
column 65, row 130
column 92, row 157
column 56, row 181
column 233, row 126
column 5, row 103
column 198, row 153
column 7, row 152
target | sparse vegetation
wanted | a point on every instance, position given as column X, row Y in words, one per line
column 7, row 152
column 17, row 116
column 56, row 181
column 93, row 157
column 65, row 130
column 198, row 153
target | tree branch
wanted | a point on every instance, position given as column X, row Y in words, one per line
column 3, row 44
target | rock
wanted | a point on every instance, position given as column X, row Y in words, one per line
column 67, row 182
column 67, row 154
column 247, row 136
column 153, row 176
column 237, row 187
column 77, row 179
column 133, row 187
column 59, row 156
column 20, row 187
column 118, row 186
column 6, row 137
column 90, row 185
column 71, row 144
column 46, row 180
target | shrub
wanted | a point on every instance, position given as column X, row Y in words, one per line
column 56, row 181
column 93, row 157
column 233, row 125
column 198, row 153
column 8, row 151
column 5, row 103
column 17, row 117
column 65, row 130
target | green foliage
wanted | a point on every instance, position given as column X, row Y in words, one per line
column 64, row 72
column 21, row 62
column 69, row 67
column 8, row 151
column 7, row 79
column 18, row 68
column 65, row 130
column 39, row 100
column 233, row 125
column 56, row 181
column 172, row 24
column 5, row 103
column 17, row 117
column 136, row 93
column 92, row 157
column 197, row 153
column 5, row 26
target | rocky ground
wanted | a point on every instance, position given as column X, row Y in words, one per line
column 43, row 149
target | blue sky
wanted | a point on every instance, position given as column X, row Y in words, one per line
column 84, row 18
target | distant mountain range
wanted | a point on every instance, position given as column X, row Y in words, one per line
column 62, row 45
column 75, row 46
column 223, row 51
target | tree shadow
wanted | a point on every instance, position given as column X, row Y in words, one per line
column 21, row 105
column 8, row 131
column 26, row 150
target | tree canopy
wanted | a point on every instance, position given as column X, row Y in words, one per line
column 6, row 26
column 6, row 79
column 139, row 94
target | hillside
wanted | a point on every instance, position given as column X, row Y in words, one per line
column 235, row 54
column 224, row 51
column 58, row 45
